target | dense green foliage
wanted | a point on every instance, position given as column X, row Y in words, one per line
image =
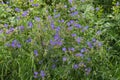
column 59, row 40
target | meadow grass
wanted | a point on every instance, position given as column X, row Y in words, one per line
column 61, row 40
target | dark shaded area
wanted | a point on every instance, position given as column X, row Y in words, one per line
column 107, row 5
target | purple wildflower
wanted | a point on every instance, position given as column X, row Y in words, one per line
column 70, row 1
column 2, row 2
column 42, row 74
column 10, row 30
column 64, row 59
column 18, row 45
column 17, row 9
column 36, row 52
column 71, row 21
column 97, row 8
column 58, row 29
column 87, row 70
column 15, row 44
column 85, row 28
column 74, row 13
column 89, row 44
column 73, row 35
column 6, row 25
column 70, row 28
column 54, row 10
column 57, row 15
column 18, row 18
column 28, row 40
column 78, row 39
column 71, row 49
column 98, row 32
column 117, row 4
column 75, row 66
column 37, row 19
column 25, row 13
column 35, row 74
column 59, row 43
column 64, row 49
column 36, row 5
column 52, row 25
column 30, row 24
column 72, row 9
column 1, row 31
column 93, row 39
column 83, row 50
column 56, row 36
column 8, row 44
column 79, row 55
column 62, row 20
column 77, row 25
column 52, row 42
column 99, row 44
column 31, row 0
column 68, row 23
column 49, row 17
column 21, row 28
